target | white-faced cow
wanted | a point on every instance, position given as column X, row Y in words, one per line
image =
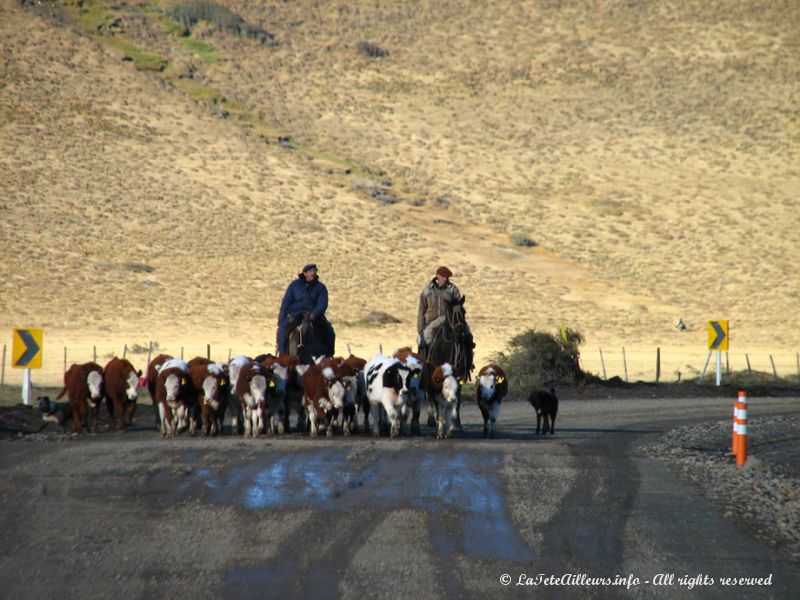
column 174, row 394
column 491, row 389
column 212, row 387
column 235, row 402
column 152, row 378
column 323, row 393
column 387, row 392
column 253, row 385
column 83, row 385
column 348, row 375
column 416, row 393
column 121, row 391
column 444, row 391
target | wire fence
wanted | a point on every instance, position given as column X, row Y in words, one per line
column 632, row 364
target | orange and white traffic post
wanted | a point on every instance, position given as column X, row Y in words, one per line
column 739, row 448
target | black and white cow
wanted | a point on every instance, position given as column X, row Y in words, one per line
column 387, row 391
column 491, row 389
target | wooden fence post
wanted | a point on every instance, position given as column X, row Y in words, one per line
column 774, row 371
column 208, row 351
column 94, row 353
column 703, row 374
column 149, row 353
column 625, row 363
column 125, row 351
column 658, row 363
column 229, row 355
column 603, row 362
column 747, row 358
column 181, row 352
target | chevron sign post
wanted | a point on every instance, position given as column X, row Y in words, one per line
column 26, row 353
column 718, row 340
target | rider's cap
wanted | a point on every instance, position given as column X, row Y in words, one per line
column 309, row 266
column 444, row 272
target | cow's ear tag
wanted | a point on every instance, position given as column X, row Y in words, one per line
column 221, row 383
column 183, row 380
column 460, row 382
column 271, row 383
column 501, row 379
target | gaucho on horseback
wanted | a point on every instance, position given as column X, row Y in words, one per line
column 306, row 298
column 437, row 295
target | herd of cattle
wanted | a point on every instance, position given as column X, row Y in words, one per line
column 261, row 393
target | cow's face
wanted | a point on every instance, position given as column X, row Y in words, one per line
column 350, row 388
column 95, row 382
column 172, row 386
column 132, row 386
column 258, row 391
column 488, row 383
column 281, row 376
column 211, row 391
column 451, row 388
column 336, row 393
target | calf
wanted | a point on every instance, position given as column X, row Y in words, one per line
column 211, row 387
column 251, row 387
column 235, row 402
column 348, row 375
column 323, row 393
column 416, row 392
column 54, row 412
column 290, row 387
column 121, row 391
column 387, row 389
column 174, row 395
column 444, row 392
column 546, row 406
column 357, row 365
column 151, row 380
column 83, row 385
column 491, row 388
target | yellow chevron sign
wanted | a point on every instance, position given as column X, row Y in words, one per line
column 717, row 335
column 26, row 348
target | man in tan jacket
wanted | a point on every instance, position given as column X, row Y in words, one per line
column 433, row 307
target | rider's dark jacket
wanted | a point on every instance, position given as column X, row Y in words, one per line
column 302, row 296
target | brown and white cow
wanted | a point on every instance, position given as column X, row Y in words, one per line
column 83, row 385
column 174, row 394
column 348, row 375
column 211, row 387
column 357, row 364
column 121, row 391
column 491, row 388
column 387, row 392
column 444, row 391
column 252, row 386
column 151, row 379
column 416, row 393
column 323, row 392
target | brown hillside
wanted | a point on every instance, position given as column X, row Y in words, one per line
column 650, row 150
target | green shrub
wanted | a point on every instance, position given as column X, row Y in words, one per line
column 538, row 359
column 224, row 19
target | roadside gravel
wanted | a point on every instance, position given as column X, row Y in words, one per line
column 764, row 494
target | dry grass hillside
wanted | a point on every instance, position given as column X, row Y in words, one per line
column 168, row 188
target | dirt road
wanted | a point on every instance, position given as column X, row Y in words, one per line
column 133, row 516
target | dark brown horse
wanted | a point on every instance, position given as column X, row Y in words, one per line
column 450, row 344
column 307, row 339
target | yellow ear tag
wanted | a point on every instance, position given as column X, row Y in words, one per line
column 221, row 383
column 460, row 382
column 183, row 380
column 501, row 379
column 271, row 383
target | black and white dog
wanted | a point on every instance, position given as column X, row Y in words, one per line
column 54, row 412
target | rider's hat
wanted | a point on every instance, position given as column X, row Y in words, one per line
column 444, row 272
column 309, row 266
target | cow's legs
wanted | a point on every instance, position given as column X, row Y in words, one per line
column 495, row 416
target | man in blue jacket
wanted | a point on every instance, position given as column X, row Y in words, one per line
column 306, row 294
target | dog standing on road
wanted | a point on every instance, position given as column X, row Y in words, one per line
column 546, row 406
